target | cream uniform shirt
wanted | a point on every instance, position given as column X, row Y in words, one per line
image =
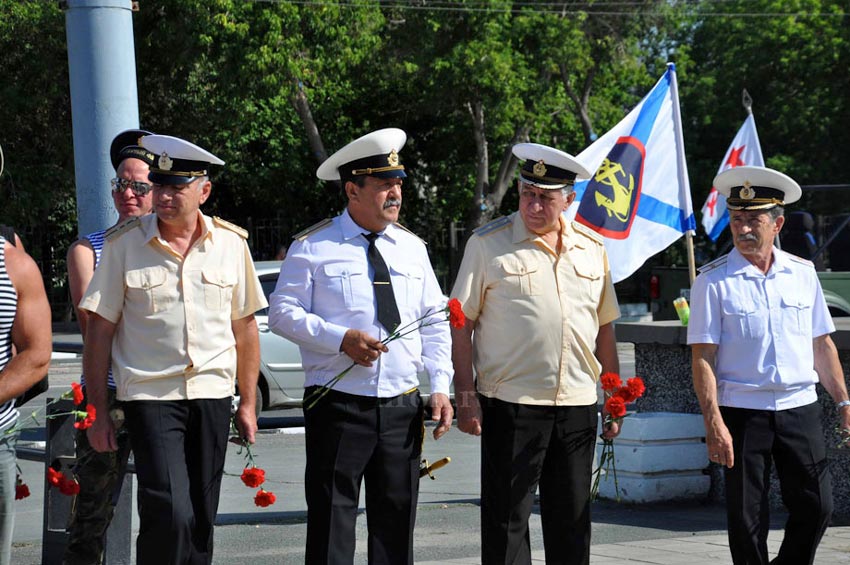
column 538, row 313
column 173, row 338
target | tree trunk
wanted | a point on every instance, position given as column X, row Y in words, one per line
column 507, row 168
column 487, row 198
column 480, row 210
column 302, row 107
column 580, row 99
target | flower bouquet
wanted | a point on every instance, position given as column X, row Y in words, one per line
column 454, row 315
column 83, row 420
column 617, row 396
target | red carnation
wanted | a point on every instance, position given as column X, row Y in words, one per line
column 636, row 387
column 264, row 498
column 69, row 487
column 78, row 393
column 615, row 407
column 456, row 316
column 626, row 394
column 253, row 477
column 54, row 477
column 610, row 381
column 21, row 490
column 91, row 416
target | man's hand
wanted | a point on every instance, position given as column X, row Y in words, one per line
column 442, row 412
column 611, row 430
column 361, row 347
column 468, row 413
column 718, row 440
column 101, row 434
column 246, row 422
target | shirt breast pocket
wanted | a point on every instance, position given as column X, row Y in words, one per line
column 408, row 284
column 797, row 314
column 520, row 276
column 347, row 280
column 589, row 279
column 148, row 286
column 218, row 288
column 743, row 320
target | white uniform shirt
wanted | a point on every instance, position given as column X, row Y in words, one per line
column 325, row 288
column 764, row 325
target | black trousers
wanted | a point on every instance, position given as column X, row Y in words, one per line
column 523, row 446
column 793, row 439
column 350, row 438
column 179, row 449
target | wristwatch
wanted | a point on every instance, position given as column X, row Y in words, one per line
column 842, row 404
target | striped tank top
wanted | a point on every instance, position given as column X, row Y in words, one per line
column 8, row 307
column 96, row 239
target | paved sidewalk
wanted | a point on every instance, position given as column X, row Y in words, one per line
column 448, row 517
column 691, row 550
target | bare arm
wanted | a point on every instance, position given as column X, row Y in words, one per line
column 606, row 352
column 468, row 408
column 717, row 437
column 80, row 270
column 96, row 356
column 31, row 334
column 247, row 372
column 831, row 375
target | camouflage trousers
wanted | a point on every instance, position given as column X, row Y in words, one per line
column 100, row 476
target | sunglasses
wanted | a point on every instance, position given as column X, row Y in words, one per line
column 138, row 188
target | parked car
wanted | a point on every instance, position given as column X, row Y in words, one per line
column 281, row 382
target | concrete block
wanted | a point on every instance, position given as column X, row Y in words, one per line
column 658, row 456
column 661, row 426
column 640, row 488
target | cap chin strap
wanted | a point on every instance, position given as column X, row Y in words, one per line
column 538, row 184
column 756, row 204
column 179, row 173
column 370, row 170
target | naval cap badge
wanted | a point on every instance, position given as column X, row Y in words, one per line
column 747, row 191
column 165, row 162
column 539, row 169
column 392, row 158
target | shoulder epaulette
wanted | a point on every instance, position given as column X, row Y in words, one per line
column 401, row 227
column 242, row 232
column 800, row 260
column 587, row 232
column 719, row 262
column 121, row 228
column 493, row 226
column 302, row 235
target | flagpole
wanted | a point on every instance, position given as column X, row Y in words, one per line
column 682, row 169
column 747, row 102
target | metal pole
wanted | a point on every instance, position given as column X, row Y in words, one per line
column 104, row 99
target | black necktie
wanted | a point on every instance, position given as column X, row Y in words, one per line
column 387, row 308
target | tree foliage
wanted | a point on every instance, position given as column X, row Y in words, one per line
column 273, row 87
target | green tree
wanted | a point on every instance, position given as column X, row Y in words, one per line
column 793, row 58
column 37, row 182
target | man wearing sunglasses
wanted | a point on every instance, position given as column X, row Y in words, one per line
column 101, row 474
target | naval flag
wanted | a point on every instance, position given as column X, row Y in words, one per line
column 745, row 150
column 639, row 198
